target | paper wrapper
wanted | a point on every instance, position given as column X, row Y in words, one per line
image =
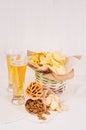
column 47, row 73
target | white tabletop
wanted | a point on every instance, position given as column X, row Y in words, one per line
column 73, row 119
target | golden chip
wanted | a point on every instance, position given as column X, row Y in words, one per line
column 59, row 57
column 54, row 60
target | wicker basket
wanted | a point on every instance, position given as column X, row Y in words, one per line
column 56, row 87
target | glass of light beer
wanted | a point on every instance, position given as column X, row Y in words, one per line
column 9, row 58
column 19, row 70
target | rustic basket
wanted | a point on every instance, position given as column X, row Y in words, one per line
column 56, row 87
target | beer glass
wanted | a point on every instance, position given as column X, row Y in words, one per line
column 19, row 70
column 9, row 58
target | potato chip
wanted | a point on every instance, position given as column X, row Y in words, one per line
column 59, row 57
column 54, row 60
column 35, row 59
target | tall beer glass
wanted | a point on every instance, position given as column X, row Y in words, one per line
column 19, row 70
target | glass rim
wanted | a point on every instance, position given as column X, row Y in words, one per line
column 19, row 62
column 12, row 55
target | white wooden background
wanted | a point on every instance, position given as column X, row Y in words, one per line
column 44, row 25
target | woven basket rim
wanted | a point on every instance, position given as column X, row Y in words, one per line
column 45, row 81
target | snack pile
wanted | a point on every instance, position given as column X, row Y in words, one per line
column 36, row 107
column 52, row 69
column 55, row 61
column 41, row 101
